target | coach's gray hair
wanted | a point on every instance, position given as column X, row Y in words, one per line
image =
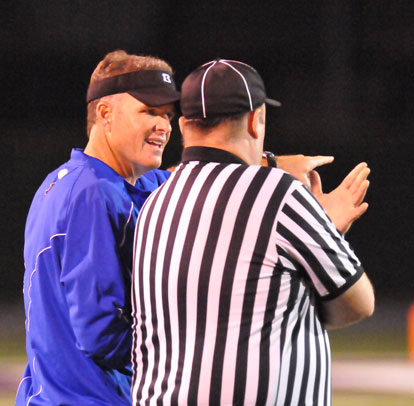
column 116, row 63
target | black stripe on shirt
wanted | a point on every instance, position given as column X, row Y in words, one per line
column 327, row 399
column 185, row 262
column 151, row 270
column 306, row 204
column 293, row 296
column 164, row 288
column 307, row 350
column 330, row 252
column 264, row 363
column 294, row 353
column 318, row 371
column 204, row 279
column 142, row 316
column 251, row 285
column 311, row 259
column 243, row 215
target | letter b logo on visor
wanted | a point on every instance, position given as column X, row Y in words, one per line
column 166, row 77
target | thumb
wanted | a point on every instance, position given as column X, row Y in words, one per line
column 319, row 160
column 316, row 183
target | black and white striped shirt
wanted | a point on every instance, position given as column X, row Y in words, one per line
column 230, row 261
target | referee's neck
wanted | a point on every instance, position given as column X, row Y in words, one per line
column 245, row 148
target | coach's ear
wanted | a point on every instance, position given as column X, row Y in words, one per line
column 103, row 112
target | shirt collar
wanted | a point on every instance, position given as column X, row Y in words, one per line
column 146, row 183
column 208, row 154
column 103, row 169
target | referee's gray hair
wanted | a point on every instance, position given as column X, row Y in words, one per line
column 207, row 124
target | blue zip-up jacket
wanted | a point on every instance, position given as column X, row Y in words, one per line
column 78, row 258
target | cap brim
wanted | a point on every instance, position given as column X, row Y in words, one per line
column 272, row 102
column 156, row 97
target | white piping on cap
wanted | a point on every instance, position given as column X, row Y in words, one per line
column 240, row 63
column 244, row 80
column 202, row 88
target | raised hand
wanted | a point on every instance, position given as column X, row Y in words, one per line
column 345, row 204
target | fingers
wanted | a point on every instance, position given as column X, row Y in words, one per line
column 319, row 160
column 361, row 178
column 359, row 211
column 351, row 177
column 359, row 194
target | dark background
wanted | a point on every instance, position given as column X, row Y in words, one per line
column 342, row 69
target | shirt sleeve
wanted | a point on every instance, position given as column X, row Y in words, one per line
column 309, row 242
column 93, row 281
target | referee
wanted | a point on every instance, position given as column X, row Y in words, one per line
column 238, row 271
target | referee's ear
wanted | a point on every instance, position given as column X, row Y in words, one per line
column 253, row 121
column 181, row 123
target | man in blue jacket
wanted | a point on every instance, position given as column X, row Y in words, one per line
column 78, row 239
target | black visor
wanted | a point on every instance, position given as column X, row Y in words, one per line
column 151, row 87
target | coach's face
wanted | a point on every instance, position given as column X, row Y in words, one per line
column 138, row 134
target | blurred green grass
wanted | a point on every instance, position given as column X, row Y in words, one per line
column 370, row 399
column 338, row 399
column 12, row 331
column 383, row 336
column 7, row 399
column 12, row 345
column 354, row 343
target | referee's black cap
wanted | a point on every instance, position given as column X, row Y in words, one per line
column 223, row 87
